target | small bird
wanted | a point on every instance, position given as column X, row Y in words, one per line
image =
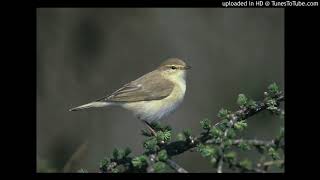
column 151, row 97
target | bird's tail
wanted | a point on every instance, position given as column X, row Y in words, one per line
column 90, row 105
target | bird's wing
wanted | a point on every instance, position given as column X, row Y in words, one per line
column 145, row 88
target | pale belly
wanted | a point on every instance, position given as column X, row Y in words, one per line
column 157, row 109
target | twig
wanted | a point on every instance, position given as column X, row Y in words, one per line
column 176, row 166
column 179, row 147
column 150, row 169
column 220, row 162
column 253, row 142
column 267, row 164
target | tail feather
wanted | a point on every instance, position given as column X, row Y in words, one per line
column 89, row 105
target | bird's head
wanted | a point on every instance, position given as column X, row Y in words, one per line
column 173, row 68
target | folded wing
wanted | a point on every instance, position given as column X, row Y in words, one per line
column 148, row 87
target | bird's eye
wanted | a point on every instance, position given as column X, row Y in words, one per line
column 173, row 67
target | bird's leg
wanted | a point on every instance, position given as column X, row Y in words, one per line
column 153, row 132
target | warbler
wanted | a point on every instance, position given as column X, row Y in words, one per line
column 151, row 97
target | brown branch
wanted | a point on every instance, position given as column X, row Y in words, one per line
column 179, row 147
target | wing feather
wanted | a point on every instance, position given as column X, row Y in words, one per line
column 148, row 87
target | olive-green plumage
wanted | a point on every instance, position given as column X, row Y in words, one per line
column 153, row 95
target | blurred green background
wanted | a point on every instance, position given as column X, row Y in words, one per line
column 86, row 53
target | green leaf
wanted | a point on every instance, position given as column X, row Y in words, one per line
column 273, row 153
column 187, row 133
column 181, row 137
column 224, row 113
column 159, row 167
column 252, row 104
column 228, row 143
column 127, row 151
column 223, row 125
column 156, row 126
column 205, row 124
column 162, row 155
column 115, row 153
column 150, row 144
column 139, row 161
column 163, row 136
column 261, row 149
column 246, row 164
column 242, row 100
column 230, row 155
column 167, row 128
column 231, row 134
column 273, row 89
column 215, row 132
column 120, row 153
column 104, row 163
column 115, row 170
column 206, row 150
column 240, row 125
column 244, row 146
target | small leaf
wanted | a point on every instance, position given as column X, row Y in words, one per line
column 159, row 167
column 103, row 164
column 228, row 143
column 115, row 170
column 139, row 161
column 273, row 106
column 231, row 134
column 121, row 153
column 244, row 146
column 230, row 155
column 187, row 134
column 223, row 113
column 162, row 155
column 205, row 124
column 246, row 164
column 115, row 153
column 150, row 144
column 156, row 126
column 240, row 125
column 127, row 151
column 242, row 100
column 273, row 153
column 163, row 136
column 273, row 89
column 215, row 132
column 252, row 104
column 181, row 137
column 206, row 150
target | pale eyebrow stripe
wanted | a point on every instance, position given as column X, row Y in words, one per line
column 177, row 66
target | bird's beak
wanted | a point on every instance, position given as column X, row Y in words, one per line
column 187, row 67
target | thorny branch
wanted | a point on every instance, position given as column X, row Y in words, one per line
column 185, row 146
column 178, row 147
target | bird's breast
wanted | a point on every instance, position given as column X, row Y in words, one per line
column 157, row 109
